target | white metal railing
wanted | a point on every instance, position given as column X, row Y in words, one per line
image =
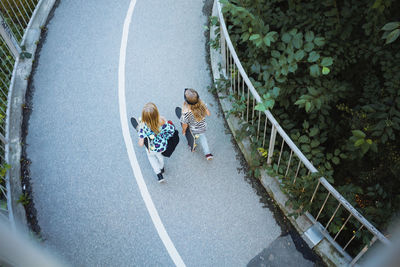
column 15, row 16
column 268, row 128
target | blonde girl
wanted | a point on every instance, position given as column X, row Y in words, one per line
column 157, row 131
column 194, row 111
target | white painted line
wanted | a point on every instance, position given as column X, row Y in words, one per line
column 173, row 253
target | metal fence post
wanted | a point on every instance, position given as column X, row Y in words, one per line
column 223, row 48
column 3, row 139
column 9, row 38
column 271, row 145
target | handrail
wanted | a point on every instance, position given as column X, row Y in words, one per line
column 353, row 211
column 256, row 95
column 294, row 149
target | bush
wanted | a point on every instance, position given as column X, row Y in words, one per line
column 336, row 72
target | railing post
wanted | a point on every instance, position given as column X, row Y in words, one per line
column 362, row 252
column 223, row 47
column 9, row 38
column 3, row 139
column 271, row 145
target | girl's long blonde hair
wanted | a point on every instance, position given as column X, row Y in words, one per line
column 151, row 117
column 199, row 109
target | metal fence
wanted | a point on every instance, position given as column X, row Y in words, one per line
column 15, row 16
column 288, row 159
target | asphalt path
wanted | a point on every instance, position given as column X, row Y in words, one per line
column 92, row 205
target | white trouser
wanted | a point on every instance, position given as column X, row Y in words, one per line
column 203, row 142
column 156, row 160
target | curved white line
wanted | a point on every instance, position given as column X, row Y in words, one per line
column 173, row 253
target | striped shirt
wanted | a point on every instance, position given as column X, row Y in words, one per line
column 197, row 127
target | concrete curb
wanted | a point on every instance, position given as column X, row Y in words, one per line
column 324, row 248
column 18, row 87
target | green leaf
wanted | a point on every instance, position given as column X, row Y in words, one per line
column 282, row 60
column 280, row 79
column 359, row 142
column 303, row 139
column 293, row 32
column 308, row 107
column 293, row 67
column 306, row 148
column 392, row 36
column 266, row 76
column 275, row 91
column 391, row 26
column 364, row 148
column 315, row 70
column 299, row 55
column 286, row 38
column 298, row 41
column 336, row 160
column 325, row 70
column 267, row 41
column 320, row 41
column 314, row 131
column 313, row 56
column 274, row 63
column 269, row 104
column 272, row 36
column 260, row 107
column 314, row 143
column 312, row 91
column 267, row 96
column 275, row 54
column 308, row 47
column 326, row 61
column 254, row 37
column 309, row 36
column 285, row 70
column 358, row 133
column 255, row 68
column 245, row 36
column 26, row 55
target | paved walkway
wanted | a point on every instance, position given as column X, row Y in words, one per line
column 86, row 186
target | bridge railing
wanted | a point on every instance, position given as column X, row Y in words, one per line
column 15, row 16
column 286, row 153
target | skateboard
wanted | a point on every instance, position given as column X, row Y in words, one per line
column 191, row 139
column 135, row 125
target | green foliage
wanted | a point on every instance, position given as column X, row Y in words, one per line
column 24, row 199
column 392, row 32
column 338, row 93
column 24, row 54
column 213, row 21
column 3, row 171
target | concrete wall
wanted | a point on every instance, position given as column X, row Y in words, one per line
column 19, row 85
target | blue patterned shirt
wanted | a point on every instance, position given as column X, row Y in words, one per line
column 158, row 142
